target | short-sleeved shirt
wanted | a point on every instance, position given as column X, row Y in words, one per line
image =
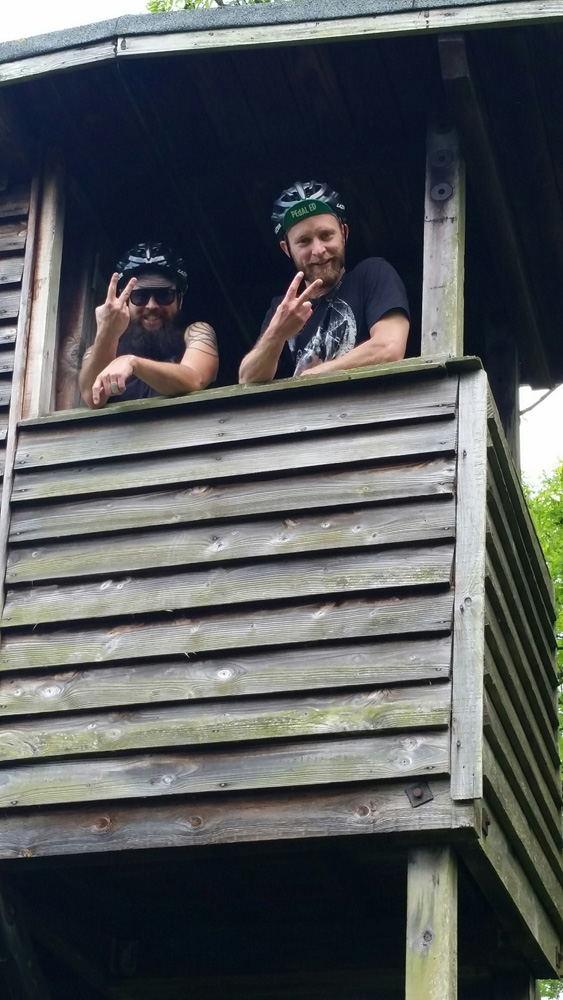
column 343, row 319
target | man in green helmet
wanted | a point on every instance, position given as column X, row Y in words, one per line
column 329, row 319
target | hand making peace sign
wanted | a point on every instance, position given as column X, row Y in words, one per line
column 113, row 316
column 294, row 310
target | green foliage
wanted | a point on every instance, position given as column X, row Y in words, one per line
column 550, row 990
column 158, row 6
column 546, row 505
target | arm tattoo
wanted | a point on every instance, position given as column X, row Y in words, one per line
column 201, row 337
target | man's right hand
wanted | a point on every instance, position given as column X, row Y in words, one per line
column 261, row 363
column 294, row 310
column 112, row 318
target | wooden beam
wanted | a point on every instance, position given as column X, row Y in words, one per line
column 444, row 244
column 431, row 960
column 40, row 373
column 407, row 22
column 492, row 202
column 469, row 600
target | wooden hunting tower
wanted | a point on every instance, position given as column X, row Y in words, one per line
column 278, row 714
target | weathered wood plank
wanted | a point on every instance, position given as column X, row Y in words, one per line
column 188, row 427
column 547, row 884
column 227, row 585
column 7, row 334
column 5, row 391
column 413, row 370
column 15, row 201
column 546, row 823
column 431, row 955
column 6, row 362
column 510, row 699
column 382, row 663
column 500, row 876
column 543, row 795
column 469, row 600
column 374, row 758
column 275, row 626
column 496, row 562
column 11, row 270
column 42, row 350
column 373, row 527
column 208, row 502
column 393, row 709
column 539, row 618
column 9, row 303
column 251, row 459
column 13, row 236
column 365, row 809
column 517, row 513
column 444, row 245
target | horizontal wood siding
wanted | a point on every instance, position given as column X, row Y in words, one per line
column 231, row 594
column 522, row 776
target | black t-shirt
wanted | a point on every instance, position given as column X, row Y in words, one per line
column 342, row 319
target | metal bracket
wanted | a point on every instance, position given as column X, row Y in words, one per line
column 419, row 794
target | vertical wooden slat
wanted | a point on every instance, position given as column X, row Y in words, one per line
column 431, row 959
column 469, row 590
column 16, row 402
column 444, row 245
column 40, row 373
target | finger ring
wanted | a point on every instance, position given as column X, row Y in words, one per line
column 114, row 388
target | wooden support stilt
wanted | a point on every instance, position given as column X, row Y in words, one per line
column 431, row 959
column 444, row 245
column 504, row 378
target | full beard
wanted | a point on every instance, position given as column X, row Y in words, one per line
column 329, row 273
column 166, row 344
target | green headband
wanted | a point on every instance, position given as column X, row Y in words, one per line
column 304, row 210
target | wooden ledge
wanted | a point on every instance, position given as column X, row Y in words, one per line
column 410, row 368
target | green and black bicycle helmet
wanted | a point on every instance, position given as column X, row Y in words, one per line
column 303, row 199
column 155, row 257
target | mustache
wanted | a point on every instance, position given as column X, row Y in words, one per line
column 166, row 344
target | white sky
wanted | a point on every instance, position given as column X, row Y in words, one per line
column 541, row 440
column 35, row 17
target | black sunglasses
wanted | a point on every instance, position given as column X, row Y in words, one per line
column 162, row 296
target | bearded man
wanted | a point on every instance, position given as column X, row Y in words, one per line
column 141, row 348
column 341, row 319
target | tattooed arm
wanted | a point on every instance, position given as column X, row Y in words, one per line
column 196, row 370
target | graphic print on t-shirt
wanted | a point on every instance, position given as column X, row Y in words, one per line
column 335, row 335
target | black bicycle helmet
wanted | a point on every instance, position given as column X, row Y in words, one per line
column 302, row 199
column 152, row 257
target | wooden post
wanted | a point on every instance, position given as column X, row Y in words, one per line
column 504, row 378
column 444, row 245
column 431, row 960
column 40, row 373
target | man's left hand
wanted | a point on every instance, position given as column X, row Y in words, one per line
column 111, row 381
